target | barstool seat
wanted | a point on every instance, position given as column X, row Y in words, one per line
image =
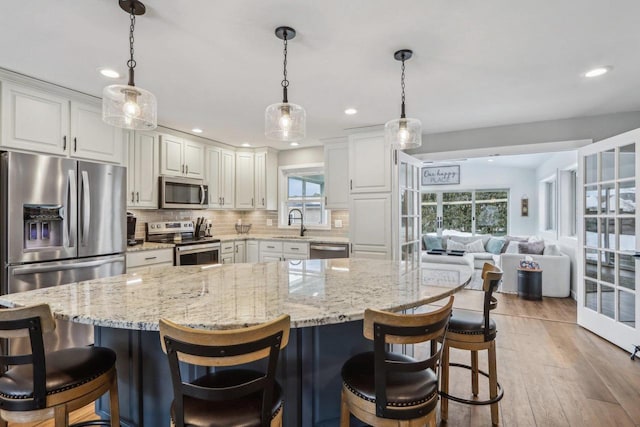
column 469, row 323
column 403, row 388
column 244, row 411
column 65, row 369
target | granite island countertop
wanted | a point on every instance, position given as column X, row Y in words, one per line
column 312, row 292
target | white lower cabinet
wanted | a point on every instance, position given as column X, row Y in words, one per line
column 283, row 250
column 154, row 258
column 227, row 250
column 253, row 251
column 240, row 252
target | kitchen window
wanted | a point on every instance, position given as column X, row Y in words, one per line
column 302, row 187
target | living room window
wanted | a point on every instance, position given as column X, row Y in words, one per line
column 302, row 187
column 470, row 212
column 550, row 206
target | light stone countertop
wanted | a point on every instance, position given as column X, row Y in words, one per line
column 313, row 292
column 150, row 246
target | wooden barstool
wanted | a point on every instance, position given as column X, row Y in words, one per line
column 39, row 385
column 469, row 330
column 230, row 397
column 389, row 389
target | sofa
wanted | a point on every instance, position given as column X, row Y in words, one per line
column 556, row 266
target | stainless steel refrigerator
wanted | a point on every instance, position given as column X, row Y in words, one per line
column 61, row 221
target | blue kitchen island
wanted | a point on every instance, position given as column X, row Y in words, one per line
column 326, row 300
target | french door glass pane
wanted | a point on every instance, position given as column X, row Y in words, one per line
column 607, row 198
column 491, row 212
column 608, row 165
column 607, row 233
column 607, row 301
column 591, row 200
column 591, row 295
column 403, row 174
column 457, row 211
column 591, row 263
column 429, row 212
column 591, row 169
column 627, row 234
column 627, row 308
column 627, row 200
column 607, row 267
column 627, row 271
column 591, row 232
column 627, row 161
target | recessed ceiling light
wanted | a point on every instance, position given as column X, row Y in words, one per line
column 108, row 72
column 294, row 144
column 246, row 144
column 490, row 160
column 597, row 72
column 350, row 111
column 196, row 130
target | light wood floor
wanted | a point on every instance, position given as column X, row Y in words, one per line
column 554, row 373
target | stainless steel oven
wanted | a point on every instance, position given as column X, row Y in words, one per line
column 198, row 254
column 183, row 193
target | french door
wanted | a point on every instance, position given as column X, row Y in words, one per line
column 608, row 298
column 407, row 210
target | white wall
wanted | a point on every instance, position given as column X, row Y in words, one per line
column 301, row 156
column 518, row 181
column 557, row 165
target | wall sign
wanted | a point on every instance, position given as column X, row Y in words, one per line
column 441, row 175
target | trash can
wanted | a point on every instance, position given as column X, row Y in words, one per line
column 530, row 283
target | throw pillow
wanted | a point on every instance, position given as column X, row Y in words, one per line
column 552, row 250
column 494, row 245
column 511, row 248
column 532, row 248
column 432, row 242
column 475, row 246
column 510, row 239
column 452, row 245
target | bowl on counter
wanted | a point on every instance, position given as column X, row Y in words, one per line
column 243, row 228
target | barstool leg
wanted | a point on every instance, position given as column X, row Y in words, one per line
column 474, row 372
column 3, row 423
column 114, row 403
column 61, row 416
column 344, row 412
column 444, row 382
column 493, row 382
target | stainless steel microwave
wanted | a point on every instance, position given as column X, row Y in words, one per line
column 183, row 193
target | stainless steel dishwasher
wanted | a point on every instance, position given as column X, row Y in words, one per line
column 328, row 250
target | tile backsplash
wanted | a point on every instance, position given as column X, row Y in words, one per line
column 224, row 221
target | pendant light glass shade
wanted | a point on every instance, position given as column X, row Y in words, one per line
column 129, row 107
column 404, row 133
column 285, row 122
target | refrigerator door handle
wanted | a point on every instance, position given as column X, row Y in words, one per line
column 49, row 268
column 68, row 208
column 86, row 207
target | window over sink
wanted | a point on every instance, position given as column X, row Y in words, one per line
column 302, row 187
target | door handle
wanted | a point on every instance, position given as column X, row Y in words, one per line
column 252, row 201
column 149, row 258
column 137, row 196
column 86, row 207
column 69, row 210
column 71, row 266
column 182, row 169
column 132, row 197
column 75, row 144
column 187, row 169
column 263, row 201
column 64, row 143
column 223, row 201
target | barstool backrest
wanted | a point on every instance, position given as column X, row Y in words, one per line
column 224, row 348
column 491, row 276
column 29, row 322
column 391, row 328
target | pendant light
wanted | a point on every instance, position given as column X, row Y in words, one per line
column 284, row 121
column 403, row 133
column 128, row 106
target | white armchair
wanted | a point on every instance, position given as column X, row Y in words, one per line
column 556, row 273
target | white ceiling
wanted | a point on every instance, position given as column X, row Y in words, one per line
column 216, row 64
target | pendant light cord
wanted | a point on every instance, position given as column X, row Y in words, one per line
column 131, row 63
column 285, row 82
column 402, row 114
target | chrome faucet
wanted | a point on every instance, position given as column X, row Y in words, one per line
column 302, row 229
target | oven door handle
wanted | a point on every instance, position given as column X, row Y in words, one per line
column 193, row 250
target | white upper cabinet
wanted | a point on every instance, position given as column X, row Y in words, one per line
column 369, row 163
column 220, row 175
column 245, row 197
column 34, row 120
column 44, row 122
column 143, row 170
column 93, row 139
column 336, row 175
column 180, row 157
column 266, row 178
